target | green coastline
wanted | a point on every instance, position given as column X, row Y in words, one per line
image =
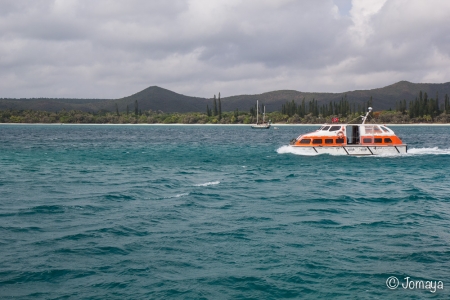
column 226, row 118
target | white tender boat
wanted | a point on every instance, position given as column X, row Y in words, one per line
column 351, row 139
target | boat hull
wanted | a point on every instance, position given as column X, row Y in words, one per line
column 357, row 150
column 261, row 126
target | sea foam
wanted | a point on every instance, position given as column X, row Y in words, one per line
column 207, row 183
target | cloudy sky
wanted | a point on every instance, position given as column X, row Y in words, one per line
column 115, row 48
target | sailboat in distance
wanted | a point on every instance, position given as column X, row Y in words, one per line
column 262, row 125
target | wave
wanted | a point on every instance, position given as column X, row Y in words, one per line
column 179, row 195
column 208, row 183
column 169, row 196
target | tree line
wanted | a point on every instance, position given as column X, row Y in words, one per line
column 421, row 110
column 341, row 108
column 424, row 106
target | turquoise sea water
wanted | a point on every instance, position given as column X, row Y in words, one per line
column 218, row 212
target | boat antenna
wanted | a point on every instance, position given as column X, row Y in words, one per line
column 364, row 118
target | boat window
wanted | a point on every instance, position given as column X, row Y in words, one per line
column 328, row 141
column 325, row 128
column 317, row 141
column 387, row 140
column 377, row 129
column 339, row 141
column 335, row 128
column 378, row 140
column 384, row 129
column 369, row 129
column 367, row 140
column 305, row 141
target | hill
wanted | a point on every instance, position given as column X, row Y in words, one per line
column 383, row 98
column 156, row 98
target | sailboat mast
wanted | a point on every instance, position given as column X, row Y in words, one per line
column 264, row 114
column 257, row 111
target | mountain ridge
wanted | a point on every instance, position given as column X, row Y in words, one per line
column 160, row 99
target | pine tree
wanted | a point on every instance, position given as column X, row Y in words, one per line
column 117, row 110
column 136, row 108
column 220, row 108
column 345, row 111
column 303, row 110
column 370, row 102
column 437, row 108
column 411, row 110
column 426, row 110
column 420, row 105
column 316, row 108
column 253, row 111
column 215, row 106
column 446, row 104
column 292, row 108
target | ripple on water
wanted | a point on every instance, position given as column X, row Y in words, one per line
column 140, row 212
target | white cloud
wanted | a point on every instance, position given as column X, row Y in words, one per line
column 362, row 13
column 111, row 49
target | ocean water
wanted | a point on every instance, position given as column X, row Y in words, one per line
column 218, row 212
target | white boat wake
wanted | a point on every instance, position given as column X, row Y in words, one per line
column 428, row 151
column 293, row 150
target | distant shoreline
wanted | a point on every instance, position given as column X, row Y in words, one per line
column 213, row 125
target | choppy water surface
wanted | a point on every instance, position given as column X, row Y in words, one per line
column 140, row 212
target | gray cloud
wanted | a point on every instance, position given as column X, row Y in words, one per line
column 110, row 49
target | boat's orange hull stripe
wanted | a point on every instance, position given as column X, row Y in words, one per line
column 364, row 140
